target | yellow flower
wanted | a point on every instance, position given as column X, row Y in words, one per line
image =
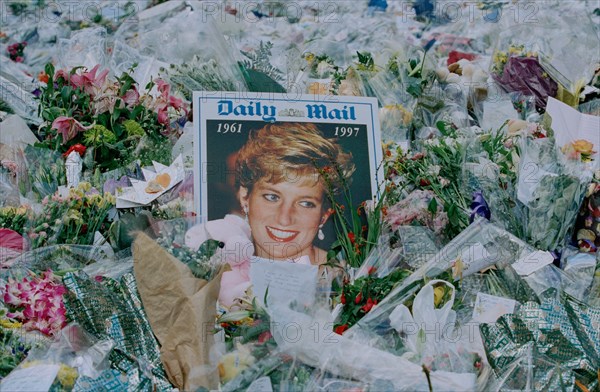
column 10, row 324
column 67, row 376
column 438, row 295
column 457, row 268
column 309, row 57
column 231, row 364
column 85, row 186
column 583, row 147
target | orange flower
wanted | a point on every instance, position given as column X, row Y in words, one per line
column 43, row 77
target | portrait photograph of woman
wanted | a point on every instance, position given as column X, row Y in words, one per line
column 280, row 177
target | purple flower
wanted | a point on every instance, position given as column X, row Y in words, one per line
column 37, row 92
column 479, row 207
column 526, row 75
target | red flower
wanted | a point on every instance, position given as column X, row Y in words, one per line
column 80, row 148
column 424, row 182
column 417, row 156
column 265, row 336
column 343, row 299
column 358, row 298
column 340, row 329
column 454, row 56
column 371, row 270
column 352, row 237
column 370, row 303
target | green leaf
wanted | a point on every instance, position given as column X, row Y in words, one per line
column 432, row 206
column 442, row 127
column 66, row 94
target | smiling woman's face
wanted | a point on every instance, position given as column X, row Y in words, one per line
column 284, row 217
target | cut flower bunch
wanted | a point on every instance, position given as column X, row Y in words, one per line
column 109, row 119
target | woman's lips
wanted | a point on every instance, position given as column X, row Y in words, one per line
column 281, row 235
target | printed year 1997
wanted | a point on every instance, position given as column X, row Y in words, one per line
column 346, row 131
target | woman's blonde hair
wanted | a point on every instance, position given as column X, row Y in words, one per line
column 290, row 152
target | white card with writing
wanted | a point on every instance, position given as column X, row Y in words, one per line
column 35, row 378
column 489, row 307
column 285, row 281
column 532, row 262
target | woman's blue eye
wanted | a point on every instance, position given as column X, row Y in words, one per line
column 308, row 204
column 271, row 197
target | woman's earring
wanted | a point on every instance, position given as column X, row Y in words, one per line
column 245, row 208
column 321, row 235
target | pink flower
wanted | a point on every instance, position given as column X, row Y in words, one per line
column 163, row 116
column 68, row 127
column 176, row 103
column 165, row 101
column 11, row 294
column 163, row 88
column 89, row 80
column 61, row 73
column 131, row 97
column 39, row 303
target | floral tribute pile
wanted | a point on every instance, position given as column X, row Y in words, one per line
column 475, row 268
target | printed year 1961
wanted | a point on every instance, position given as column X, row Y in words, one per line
column 229, row 128
column 346, row 131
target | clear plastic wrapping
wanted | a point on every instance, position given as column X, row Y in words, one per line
column 551, row 188
column 478, row 247
column 73, row 356
column 351, row 359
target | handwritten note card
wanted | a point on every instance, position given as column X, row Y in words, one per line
column 285, row 281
